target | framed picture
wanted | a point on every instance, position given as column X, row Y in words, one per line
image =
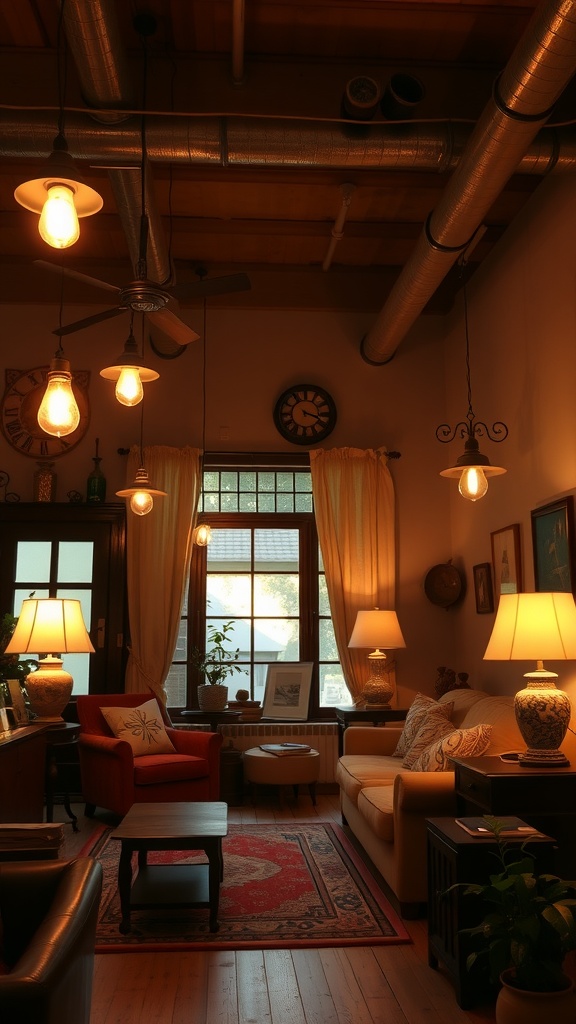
column 287, row 692
column 483, row 588
column 18, row 705
column 553, row 546
column 506, row 560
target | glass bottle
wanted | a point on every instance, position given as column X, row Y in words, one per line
column 44, row 482
column 96, row 483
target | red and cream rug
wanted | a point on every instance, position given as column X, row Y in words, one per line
column 284, row 887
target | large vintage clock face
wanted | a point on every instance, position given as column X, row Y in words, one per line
column 19, row 411
column 305, row 413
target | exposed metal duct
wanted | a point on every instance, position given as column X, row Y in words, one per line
column 539, row 69
column 94, row 39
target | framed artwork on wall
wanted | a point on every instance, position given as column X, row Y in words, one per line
column 553, row 546
column 507, row 560
column 483, row 588
column 287, row 692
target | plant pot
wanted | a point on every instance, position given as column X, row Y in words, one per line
column 519, row 1006
column 212, row 696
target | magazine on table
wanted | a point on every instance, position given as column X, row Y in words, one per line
column 282, row 749
column 511, row 826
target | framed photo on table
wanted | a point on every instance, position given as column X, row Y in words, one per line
column 507, row 560
column 287, row 692
column 553, row 546
column 483, row 588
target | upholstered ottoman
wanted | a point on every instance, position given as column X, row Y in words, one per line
column 264, row 769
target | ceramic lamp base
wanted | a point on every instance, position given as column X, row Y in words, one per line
column 542, row 714
column 49, row 690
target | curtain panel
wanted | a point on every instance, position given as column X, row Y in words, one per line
column 355, row 518
column 159, row 547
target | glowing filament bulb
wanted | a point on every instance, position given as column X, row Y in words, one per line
column 58, row 224
column 58, row 413
column 473, row 483
column 141, row 503
column 129, row 390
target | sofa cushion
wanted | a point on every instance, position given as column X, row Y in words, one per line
column 376, row 805
column 142, row 727
column 499, row 713
column 415, row 717
column 462, row 700
column 457, row 743
column 155, row 769
column 354, row 771
column 436, row 724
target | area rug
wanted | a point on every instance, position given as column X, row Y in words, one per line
column 284, row 887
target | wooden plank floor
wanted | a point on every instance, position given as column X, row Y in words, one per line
column 350, row 985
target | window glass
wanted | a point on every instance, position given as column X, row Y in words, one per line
column 75, row 561
column 33, row 561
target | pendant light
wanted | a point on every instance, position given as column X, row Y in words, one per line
column 141, row 493
column 59, row 414
column 59, row 194
column 472, row 468
column 129, row 371
column 203, row 532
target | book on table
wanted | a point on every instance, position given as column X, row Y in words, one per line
column 510, row 826
column 284, row 749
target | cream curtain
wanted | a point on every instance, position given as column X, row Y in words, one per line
column 158, row 554
column 354, row 509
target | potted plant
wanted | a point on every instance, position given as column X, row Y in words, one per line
column 10, row 666
column 216, row 663
column 528, row 928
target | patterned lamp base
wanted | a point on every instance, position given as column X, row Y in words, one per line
column 378, row 689
column 49, row 690
column 542, row 713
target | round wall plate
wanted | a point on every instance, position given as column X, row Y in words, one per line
column 443, row 584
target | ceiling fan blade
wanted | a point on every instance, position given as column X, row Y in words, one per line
column 213, row 286
column 97, row 318
column 171, row 325
column 45, row 265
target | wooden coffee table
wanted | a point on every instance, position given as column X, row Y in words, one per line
column 176, row 826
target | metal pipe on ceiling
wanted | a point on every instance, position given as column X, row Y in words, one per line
column 539, row 69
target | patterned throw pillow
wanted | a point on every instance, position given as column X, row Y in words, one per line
column 436, row 724
column 458, row 743
column 142, row 727
column 414, row 719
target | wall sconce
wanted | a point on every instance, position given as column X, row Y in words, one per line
column 381, row 631
column 203, row 535
column 472, row 468
column 50, row 624
column 129, row 372
column 59, row 414
column 537, row 627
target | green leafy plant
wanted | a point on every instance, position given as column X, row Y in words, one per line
column 218, row 661
column 529, row 923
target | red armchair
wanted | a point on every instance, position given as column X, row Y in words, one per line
column 114, row 778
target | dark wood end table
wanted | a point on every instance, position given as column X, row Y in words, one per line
column 346, row 716
column 60, row 738
column 176, row 826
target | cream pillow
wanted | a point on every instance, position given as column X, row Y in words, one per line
column 458, row 743
column 142, row 727
column 436, row 724
column 414, row 719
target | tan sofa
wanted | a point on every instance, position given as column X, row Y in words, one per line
column 386, row 805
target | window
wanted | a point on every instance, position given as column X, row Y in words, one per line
column 262, row 571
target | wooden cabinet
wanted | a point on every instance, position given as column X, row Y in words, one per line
column 22, row 771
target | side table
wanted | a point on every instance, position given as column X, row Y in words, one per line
column 544, row 797
column 231, row 780
column 453, row 857
column 346, row 716
column 60, row 737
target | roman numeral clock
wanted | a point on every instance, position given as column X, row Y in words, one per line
column 19, row 411
column 304, row 414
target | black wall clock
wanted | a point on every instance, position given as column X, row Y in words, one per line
column 19, row 410
column 305, row 413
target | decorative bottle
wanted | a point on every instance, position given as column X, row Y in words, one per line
column 44, row 482
column 96, row 483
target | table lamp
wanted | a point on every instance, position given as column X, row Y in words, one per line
column 537, row 627
column 49, row 624
column 381, row 631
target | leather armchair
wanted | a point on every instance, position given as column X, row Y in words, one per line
column 48, row 911
column 114, row 778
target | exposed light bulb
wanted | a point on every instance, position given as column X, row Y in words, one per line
column 129, row 390
column 59, row 414
column 58, row 224
column 202, row 535
column 141, row 503
column 473, row 483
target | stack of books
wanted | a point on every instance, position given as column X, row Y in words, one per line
column 282, row 749
column 19, row 841
column 508, row 827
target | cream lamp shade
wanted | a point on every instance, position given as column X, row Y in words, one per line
column 50, row 626
column 379, row 630
column 537, row 627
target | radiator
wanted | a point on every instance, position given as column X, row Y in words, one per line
column 322, row 737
